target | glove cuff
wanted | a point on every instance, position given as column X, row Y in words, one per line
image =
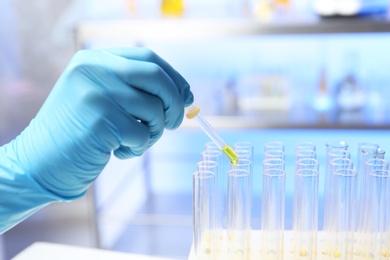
column 21, row 194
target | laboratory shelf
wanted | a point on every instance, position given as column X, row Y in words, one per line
column 183, row 29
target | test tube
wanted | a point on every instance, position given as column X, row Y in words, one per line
column 238, row 216
column 331, row 154
column 305, row 214
column 379, row 218
column 364, row 203
column 220, row 182
column 368, row 201
column 331, row 207
column 272, row 214
column 341, row 231
column 204, row 214
column 361, row 147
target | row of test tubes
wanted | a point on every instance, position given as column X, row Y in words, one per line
column 356, row 199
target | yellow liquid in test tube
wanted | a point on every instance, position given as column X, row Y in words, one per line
column 193, row 113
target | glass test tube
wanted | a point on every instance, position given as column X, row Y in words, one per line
column 272, row 214
column 220, row 182
column 363, row 215
column 369, row 199
column 361, row 147
column 379, row 217
column 204, row 214
column 340, row 241
column 331, row 207
column 305, row 214
column 238, row 217
column 331, row 154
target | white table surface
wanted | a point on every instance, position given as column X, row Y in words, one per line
column 49, row 251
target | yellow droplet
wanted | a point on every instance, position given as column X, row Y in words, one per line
column 207, row 251
column 336, row 254
column 207, row 238
column 384, row 253
column 303, row 252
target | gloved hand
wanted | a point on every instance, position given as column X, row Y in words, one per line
column 116, row 100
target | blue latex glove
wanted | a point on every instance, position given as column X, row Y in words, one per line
column 115, row 100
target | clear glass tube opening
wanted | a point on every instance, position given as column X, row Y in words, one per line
column 278, row 154
column 307, row 163
column 303, row 154
column 274, row 145
column 273, row 163
column 305, row 146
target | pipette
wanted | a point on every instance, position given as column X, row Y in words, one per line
column 193, row 112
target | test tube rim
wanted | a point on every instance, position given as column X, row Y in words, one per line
column 243, row 144
column 279, row 151
column 247, row 152
column 341, row 143
column 276, row 143
column 353, row 174
column 333, row 161
column 374, row 151
column 305, row 144
column 247, row 162
column 283, row 173
column 212, row 152
column 315, row 161
column 361, row 145
column 385, row 162
column 208, row 162
column 305, row 150
column 332, row 152
column 233, row 173
column 208, row 174
column 378, row 175
column 307, row 175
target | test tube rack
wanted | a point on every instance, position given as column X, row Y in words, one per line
column 355, row 215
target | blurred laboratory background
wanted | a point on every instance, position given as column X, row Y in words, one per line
column 261, row 70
